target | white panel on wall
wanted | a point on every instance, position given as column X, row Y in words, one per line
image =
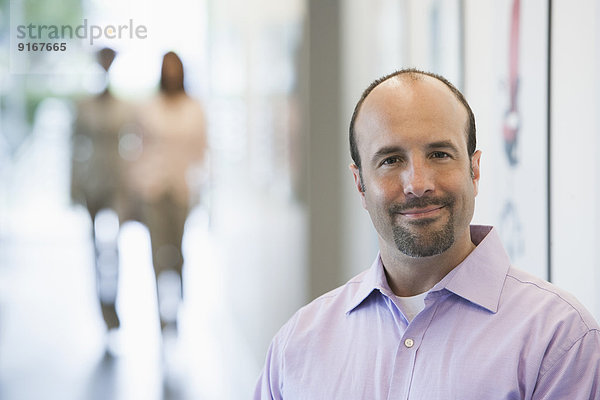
column 575, row 145
column 506, row 82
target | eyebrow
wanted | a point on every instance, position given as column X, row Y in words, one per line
column 444, row 144
column 387, row 150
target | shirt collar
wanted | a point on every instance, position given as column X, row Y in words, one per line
column 373, row 279
column 478, row 279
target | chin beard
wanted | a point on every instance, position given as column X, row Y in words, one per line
column 427, row 244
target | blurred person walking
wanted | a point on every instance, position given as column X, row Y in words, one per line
column 174, row 140
column 97, row 181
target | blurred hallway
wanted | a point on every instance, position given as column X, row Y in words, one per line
column 239, row 251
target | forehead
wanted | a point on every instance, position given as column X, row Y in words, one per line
column 405, row 109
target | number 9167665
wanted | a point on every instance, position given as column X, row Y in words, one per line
column 41, row 46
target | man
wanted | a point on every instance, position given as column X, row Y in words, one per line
column 97, row 183
column 441, row 314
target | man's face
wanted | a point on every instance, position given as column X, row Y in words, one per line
column 420, row 184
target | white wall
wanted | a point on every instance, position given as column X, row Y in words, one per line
column 513, row 197
column 575, row 146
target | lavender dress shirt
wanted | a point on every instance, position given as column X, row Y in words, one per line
column 488, row 331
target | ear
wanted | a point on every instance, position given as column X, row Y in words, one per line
column 475, row 168
column 358, row 183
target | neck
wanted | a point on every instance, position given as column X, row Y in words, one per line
column 409, row 276
column 105, row 93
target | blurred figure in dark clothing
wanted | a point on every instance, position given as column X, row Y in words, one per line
column 96, row 181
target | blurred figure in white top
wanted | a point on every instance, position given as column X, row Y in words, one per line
column 173, row 127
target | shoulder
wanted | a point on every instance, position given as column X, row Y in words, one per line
column 548, row 315
column 150, row 112
column 569, row 333
column 549, row 299
column 192, row 107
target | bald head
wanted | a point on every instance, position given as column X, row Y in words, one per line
column 402, row 81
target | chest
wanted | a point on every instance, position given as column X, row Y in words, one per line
column 440, row 355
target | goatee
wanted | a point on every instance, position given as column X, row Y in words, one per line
column 429, row 242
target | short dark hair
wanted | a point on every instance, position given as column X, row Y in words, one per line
column 105, row 57
column 172, row 57
column 415, row 74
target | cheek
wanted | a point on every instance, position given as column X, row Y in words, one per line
column 381, row 194
column 467, row 196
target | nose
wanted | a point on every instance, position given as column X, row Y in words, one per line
column 417, row 178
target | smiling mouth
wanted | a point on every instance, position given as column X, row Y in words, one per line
column 427, row 212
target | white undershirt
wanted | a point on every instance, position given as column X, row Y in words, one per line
column 411, row 306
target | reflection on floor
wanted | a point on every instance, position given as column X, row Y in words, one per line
column 243, row 279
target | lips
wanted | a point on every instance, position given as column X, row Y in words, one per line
column 425, row 212
column 421, row 209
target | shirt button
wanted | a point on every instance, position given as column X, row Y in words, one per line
column 409, row 343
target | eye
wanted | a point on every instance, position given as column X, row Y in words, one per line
column 440, row 155
column 390, row 160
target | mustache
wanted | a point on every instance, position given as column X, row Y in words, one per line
column 421, row 202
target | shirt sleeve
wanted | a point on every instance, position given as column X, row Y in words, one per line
column 270, row 383
column 576, row 375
